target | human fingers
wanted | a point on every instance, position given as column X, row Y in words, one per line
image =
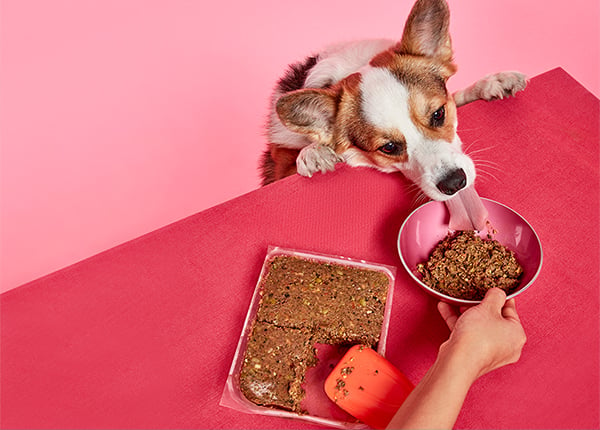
column 494, row 299
column 510, row 310
column 448, row 313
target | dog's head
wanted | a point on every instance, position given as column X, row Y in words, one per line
column 394, row 114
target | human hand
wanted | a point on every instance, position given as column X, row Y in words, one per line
column 482, row 338
column 486, row 336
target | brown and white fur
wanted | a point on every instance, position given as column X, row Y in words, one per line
column 382, row 104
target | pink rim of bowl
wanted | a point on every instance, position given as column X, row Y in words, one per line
column 428, row 224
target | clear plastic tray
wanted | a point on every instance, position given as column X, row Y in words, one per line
column 320, row 409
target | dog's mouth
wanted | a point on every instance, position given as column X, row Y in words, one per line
column 457, row 191
column 464, row 204
column 466, row 210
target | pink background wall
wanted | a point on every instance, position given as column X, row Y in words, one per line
column 121, row 116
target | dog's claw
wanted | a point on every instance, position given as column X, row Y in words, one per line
column 316, row 158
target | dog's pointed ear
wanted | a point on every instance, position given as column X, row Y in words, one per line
column 427, row 31
column 309, row 111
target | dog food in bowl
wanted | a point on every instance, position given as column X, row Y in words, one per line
column 428, row 225
column 465, row 266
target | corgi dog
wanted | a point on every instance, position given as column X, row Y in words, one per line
column 382, row 104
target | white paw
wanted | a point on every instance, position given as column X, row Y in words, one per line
column 316, row 158
column 500, row 85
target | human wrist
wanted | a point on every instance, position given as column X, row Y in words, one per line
column 458, row 359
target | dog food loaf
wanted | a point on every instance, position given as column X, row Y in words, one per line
column 303, row 302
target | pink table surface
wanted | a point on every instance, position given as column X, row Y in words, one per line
column 143, row 335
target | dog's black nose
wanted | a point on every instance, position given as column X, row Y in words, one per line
column 453, row 182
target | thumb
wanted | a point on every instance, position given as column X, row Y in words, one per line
column 494, row 299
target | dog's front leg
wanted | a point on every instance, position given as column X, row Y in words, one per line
column 492, row 87
column 316, row 157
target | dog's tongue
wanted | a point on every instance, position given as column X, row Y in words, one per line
column 467, row 211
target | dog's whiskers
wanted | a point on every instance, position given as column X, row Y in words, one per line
column 478, row 160
column 478, row 151
column 469, row 148
column 419, row 197
column 459, row 129
column 484, row 173
column 485, row 176
column 483, row 166
column 470, row 145
column 487, row 164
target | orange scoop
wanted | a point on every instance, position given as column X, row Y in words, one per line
column 367, row 386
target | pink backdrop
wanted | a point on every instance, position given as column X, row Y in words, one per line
column 121, row 116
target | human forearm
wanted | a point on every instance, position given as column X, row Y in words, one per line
column 483, row 338
column 436, row 401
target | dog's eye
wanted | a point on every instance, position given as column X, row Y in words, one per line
column 391, row 148
column 438, row 117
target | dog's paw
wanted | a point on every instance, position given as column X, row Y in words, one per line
column 316, row 158
column 500, row 85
